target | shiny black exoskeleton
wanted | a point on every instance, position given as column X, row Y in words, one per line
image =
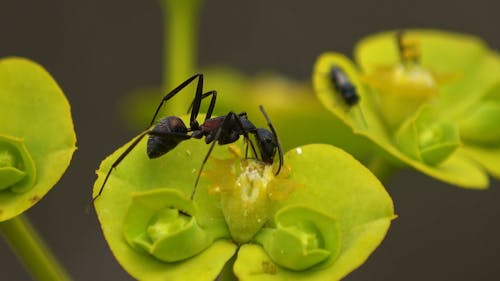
column 344, row 86
column 159, row 145
column 171, row 130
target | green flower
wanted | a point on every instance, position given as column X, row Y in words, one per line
column 320, row 217
column 37, row 139
column 428, row 99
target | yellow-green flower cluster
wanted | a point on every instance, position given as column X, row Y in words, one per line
column 428, row 99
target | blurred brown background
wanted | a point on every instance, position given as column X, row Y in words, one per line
column 100, row 50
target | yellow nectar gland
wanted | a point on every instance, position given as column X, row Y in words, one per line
column 249, row 177
column 249, row 192
column 253, row 180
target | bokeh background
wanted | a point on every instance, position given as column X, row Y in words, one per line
column 100, row 50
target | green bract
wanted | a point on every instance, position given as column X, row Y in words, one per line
column 37, row 139
column 303, row 238
column 429, row 100
column 17, row 169
column 422, row 139
column 153, row 223
column 321, row 217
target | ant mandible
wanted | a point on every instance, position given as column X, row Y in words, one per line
column 226, row 129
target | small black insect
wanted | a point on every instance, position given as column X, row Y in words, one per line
column 409, row 48
column 344, row 86
column 171, row 130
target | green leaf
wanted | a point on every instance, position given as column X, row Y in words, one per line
column 337, row 186
column 35, row 113
column 138, row 190
column 139, row 176
column 481, row 127
column 360, row 117
column 466, row 92
column 488, row 157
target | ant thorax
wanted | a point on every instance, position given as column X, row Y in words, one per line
column 249, row 192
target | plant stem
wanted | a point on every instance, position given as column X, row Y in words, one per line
column 381, row 168
column 180, row 26
column 31, row 250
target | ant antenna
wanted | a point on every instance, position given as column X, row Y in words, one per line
column 280, row 149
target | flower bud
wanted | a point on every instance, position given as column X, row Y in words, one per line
column 162, row 223
column 17, row 169
column 302, row 238
column 431, row 143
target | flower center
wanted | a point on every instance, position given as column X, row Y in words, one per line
column 17, row 169
column 7, row 159
column 253, row 181
column 246, row 203
column 249, row 193
column 404, row 86
column 414, row 79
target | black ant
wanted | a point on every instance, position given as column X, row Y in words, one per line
column 344, row 86
column 171, row 130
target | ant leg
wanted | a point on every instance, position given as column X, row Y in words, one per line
column 244, row 114
column 205, row 161
column 172, row 93
column 225, row 126
column 211, row 107
column 196, row 104
column 173, row 135
column 280, row 149
column 119, row 159
column 244, row 132
column 177, row 136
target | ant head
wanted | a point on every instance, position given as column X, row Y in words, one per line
column 267, row 143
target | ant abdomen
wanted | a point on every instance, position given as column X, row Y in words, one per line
column 158, row 144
